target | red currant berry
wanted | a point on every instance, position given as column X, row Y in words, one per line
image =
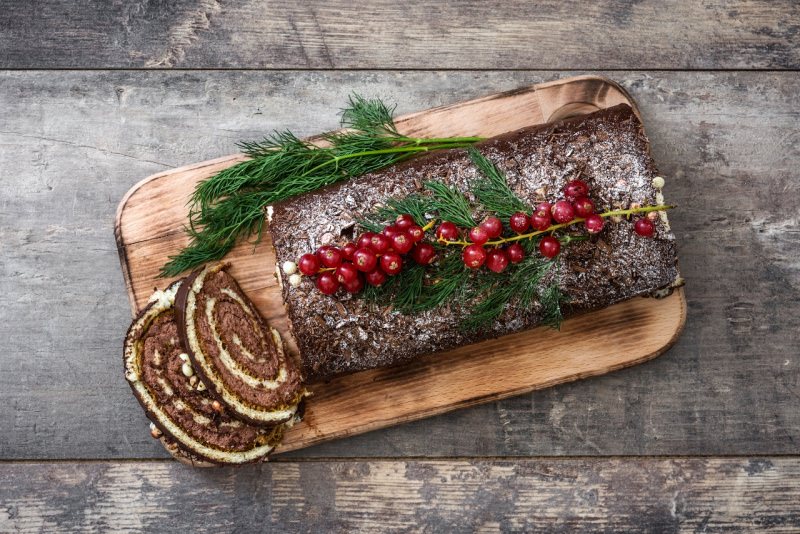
column 478, row 235
column 346, row 273
column 356, row 285
column 423, row 253
column 404, row 221
column 563, row 211
column 515, row 252
column 644, row 227
column 583, row 207
column 576, row 189
column 348, row 250
column 391, row 263
column 540, row 221
column 365, row 240
column 447, row 231
column 390, row 231
column 473, row 256
column 497, row 260
column 519, row 222
column 308, row 264
column 549, row 247
column 402, row 242
column 379, row 243
column 330, row 256
column 327, row 283
column 493, row 227
column 594, row 223
column 365, row 260
column 416, row 232
column 376, row 278
column 543, row 208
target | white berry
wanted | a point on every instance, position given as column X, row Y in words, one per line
column 658, row 182
column 295, row 280
column 289, row 267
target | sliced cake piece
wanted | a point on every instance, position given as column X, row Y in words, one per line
column 184, row 413
column 237, row 356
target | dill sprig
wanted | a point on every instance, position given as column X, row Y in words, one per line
column 415, row 204
column 409, row 293
column 230, row 205
column 521, row 283
column 492, row 190
column 450, row 281
column 404, row 286
column 417, row 289
column 451, row 204
column 550, row 300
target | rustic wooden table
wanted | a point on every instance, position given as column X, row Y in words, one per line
column 703, row 438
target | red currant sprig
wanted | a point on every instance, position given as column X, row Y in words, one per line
column 371, row 259
column 374, row 257
column 576, row 207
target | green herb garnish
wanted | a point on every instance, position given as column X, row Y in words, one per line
column 230, row 205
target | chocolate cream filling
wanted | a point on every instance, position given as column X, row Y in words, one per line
column 156, row 369
column 239, row 358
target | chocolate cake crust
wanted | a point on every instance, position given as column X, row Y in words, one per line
column 607, row 149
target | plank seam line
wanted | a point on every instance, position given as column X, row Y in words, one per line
column 396, row 69
column 388, row 459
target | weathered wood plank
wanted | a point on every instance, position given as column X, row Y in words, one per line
column 74, row 142
column 567, row 495
column 387, row 34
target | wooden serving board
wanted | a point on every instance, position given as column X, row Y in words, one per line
column 149, row 224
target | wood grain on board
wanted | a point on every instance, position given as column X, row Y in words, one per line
column 616, row 337
column 516, row 495
column 74, row 142
column 149, row 228
column 419, row 34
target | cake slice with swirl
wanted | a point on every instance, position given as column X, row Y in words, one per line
column 237, row 356
column 190, row 422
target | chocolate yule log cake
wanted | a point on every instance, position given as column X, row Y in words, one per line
column 236, row 355
column 606, row 152
column 185, row 416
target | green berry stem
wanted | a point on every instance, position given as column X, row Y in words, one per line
column 554, row 227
